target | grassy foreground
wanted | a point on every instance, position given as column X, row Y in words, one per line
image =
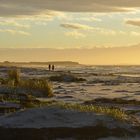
column 14, row 81
column 110, row 111
column 44, row 88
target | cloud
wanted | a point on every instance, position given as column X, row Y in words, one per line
column 36, row 7
column 90, row 29
column 76, row 26
column 90, row 19
column 14, row 32
column 134, row 22
column 27, row 21
column 134, row 33
column 108, row 32
column 75, row 34
column 6, row 22
column 80, row 17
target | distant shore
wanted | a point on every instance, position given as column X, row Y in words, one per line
column 40, row 63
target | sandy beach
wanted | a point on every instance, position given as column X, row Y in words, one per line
column 101, row 86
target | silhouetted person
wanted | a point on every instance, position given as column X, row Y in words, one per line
column 52, row 67
column 49, row 67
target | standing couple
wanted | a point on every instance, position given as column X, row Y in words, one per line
column 51, row 67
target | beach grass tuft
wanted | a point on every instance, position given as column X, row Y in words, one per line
column 114, row 112
column 40, row 85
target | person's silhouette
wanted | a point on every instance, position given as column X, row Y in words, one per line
column 53, row 67
column 49, row 67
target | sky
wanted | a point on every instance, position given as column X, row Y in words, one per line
column 71, row 24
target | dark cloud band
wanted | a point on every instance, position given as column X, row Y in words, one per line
column 133, row 22
column 32, row 7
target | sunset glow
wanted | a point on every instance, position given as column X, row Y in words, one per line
column 75, row 24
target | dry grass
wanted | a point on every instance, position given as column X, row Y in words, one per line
column 40, row 85
column 31, row 85
column 14, row 76
column 114, row 112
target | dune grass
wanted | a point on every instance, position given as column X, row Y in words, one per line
column 114, row 112
column 110, row 111
column 40, row 85
column 14, row 75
